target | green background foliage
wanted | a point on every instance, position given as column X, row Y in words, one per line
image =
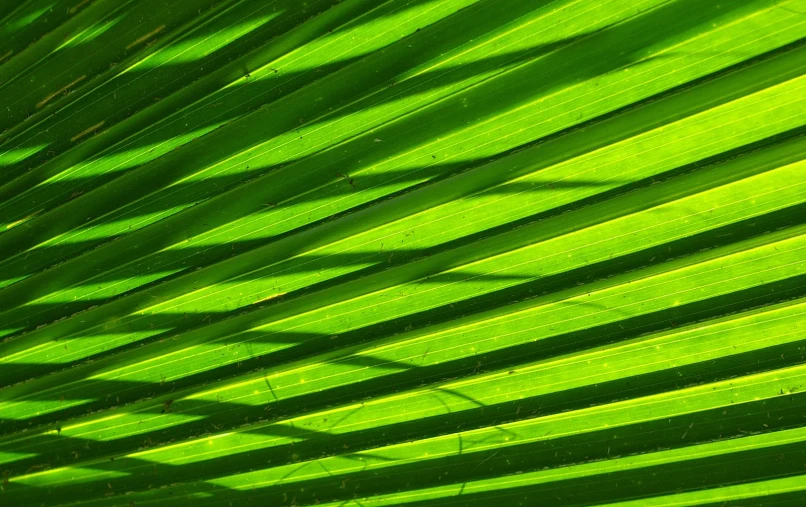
column 402, row 252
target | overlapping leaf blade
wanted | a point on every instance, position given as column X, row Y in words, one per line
column 409, row 252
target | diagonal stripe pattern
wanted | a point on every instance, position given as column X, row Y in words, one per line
column 403, row 253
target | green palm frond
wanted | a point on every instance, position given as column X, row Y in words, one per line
column 402, row 252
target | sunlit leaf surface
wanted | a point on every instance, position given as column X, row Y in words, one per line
column 402, row 253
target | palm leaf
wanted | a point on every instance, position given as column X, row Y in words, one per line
column 402, row 252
